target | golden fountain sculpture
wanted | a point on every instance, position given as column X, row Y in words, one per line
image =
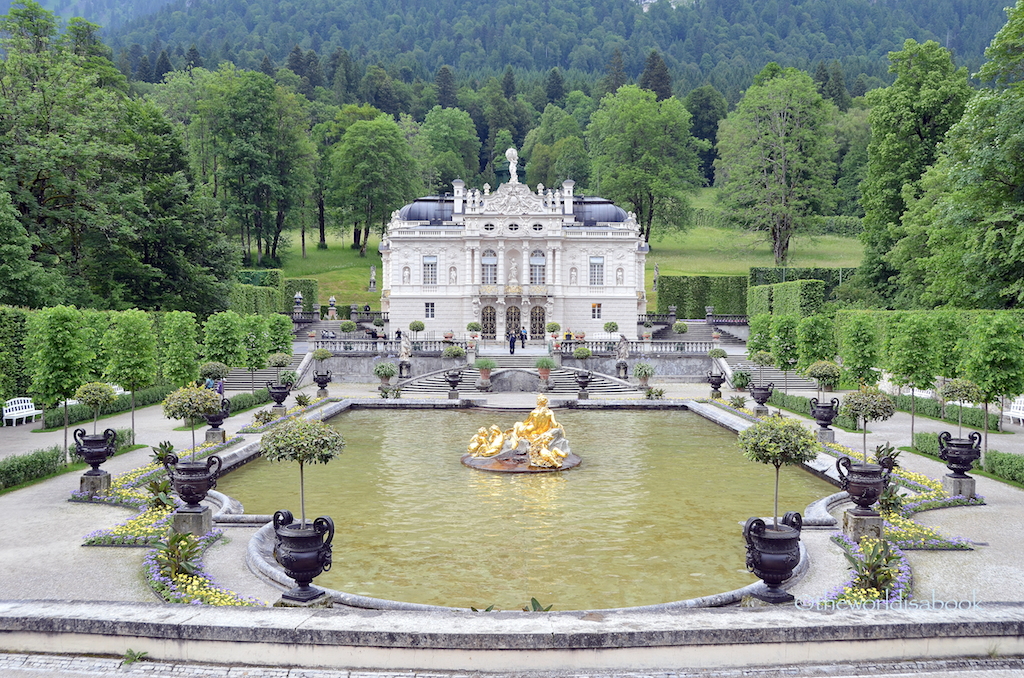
column 535, row 445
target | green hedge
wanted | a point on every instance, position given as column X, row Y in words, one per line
column 802, row 405
column 22, row 468
column 927, row 443
column 252, row 300
column 973, row 417
column 261, row 277
column 848, row 227
column 759, row 300
column 1004, row 465
column 833, row 277
column 310, row 289
column 14, row 378
column 244, row 401
column 691, row 293
column 54, row 417
column 801, row 298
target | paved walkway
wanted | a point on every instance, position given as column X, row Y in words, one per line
column 42, row 556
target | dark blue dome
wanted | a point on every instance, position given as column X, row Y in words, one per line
column 433, row 208
column 591, row 210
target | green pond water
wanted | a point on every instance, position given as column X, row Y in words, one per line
column 654, row 514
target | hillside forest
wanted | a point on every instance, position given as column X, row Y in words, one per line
column 130, row 186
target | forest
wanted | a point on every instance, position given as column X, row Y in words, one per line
column 123, row 187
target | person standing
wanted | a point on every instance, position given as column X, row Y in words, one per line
column 522, row 337
column 512, row 342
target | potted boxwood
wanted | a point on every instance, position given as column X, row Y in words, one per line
column 611, row 327
column 485, row 365
column 416, row 326
column 95, row 449
column 302, row 548
column 582, row 353
column 868, row 404
column 643, row 372
column 544, row 366
column 385, row 371
column 553, row 328
column 679, row 327
column 773, row 552
column 347, row 326
column 474, row 328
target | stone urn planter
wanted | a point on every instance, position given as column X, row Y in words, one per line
column 217, row 418
column 863, row 482
column 192, row 480
column 716, row 379
column 278, row 392
column 583, row 379
column 761, row 394
column 321, row 382
column 959, row 453
column 824, row 415
column 304, row 551
column 772, row 554
column 95, row 448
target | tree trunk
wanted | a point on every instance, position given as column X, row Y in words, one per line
column 67, row 455
column 366, row 237
column 356, row 232
column 321, row 219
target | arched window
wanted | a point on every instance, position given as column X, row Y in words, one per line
column 489, row 268
column 537, row 274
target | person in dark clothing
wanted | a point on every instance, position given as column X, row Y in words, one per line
column 522, row 338
column 512, row 343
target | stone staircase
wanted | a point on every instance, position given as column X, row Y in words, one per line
column 702, row 332
column 562, row 381
column 239, row 379
column 771, row 374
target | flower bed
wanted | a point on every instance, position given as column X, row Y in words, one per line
column 192, row 589
column 298, row 409
column 854, row 595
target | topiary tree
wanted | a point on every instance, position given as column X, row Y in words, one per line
column 551, row 327
column 960, row 390
column 825, row 373
column 778, row 442
column 255, row 345
column 912, row 359
column 95, row 394
column 130, row 345
column 224, row 339
column 679, row 327
column 784, row 353
column 178, row 360
column 214, row 370
column 416, row 326
column 761, row 359
column 474, row 326
column 867, row 404
column 279, row 360
column 58, row 354
column 994, row 360
column 190, row 403
column 611, row 326
column 347, row 326
column 582, row 353
column 305, row 442
column 279, row 333
column 858, row 347
column 815, row 341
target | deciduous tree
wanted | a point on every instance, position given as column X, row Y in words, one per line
column 130, row 344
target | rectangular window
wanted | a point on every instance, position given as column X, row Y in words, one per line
column 428, row 309
column 596, row 271
column 536, row 274
column 595, row 310
column 429, row 270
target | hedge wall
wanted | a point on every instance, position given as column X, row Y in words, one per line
column 14, row 379
column 310, row 289
column 848, row 227
column 800, row 298
column 261, row 277
column 759, row 300
column 54, row 417
column 252, row 300
column 691, row 293
column 22, row 468
column 1008, row 466
column 833, row 277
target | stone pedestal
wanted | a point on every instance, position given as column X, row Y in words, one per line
column 453, row 395
column 583, row 395
column 95, row 485
column 321, row 393
column 216, row 435
column 856, row 527
column 954, row 486
column 193, row 522
column 404, row 369
column 826, row 435
column 716, row 394
column 278, row 410
column 622, row 370
column 373, row 285
column 332, row 313
column 760, row 411
column 483, row 384
column 557, row 356
column 323, row 600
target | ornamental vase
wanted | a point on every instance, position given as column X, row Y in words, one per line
column 824, row 414
column 192, row 480
column 217, row 418
column 864, row 482
column 95, row 448
column 304, row 551
column 278, row 392
column 322, row 379
column 761, row 394
column 959, row 453
column 772, row 554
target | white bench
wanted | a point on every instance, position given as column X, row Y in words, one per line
column 1016, row 410
column 20, row 408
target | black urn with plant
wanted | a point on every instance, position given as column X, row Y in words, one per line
column 278, row 393
column 824, row 414
column 192, row 480
column 302, row 548
column 95, row 448
column 715, row 375
column 215, row 419
column 321, row 378
column 959, row 454
column 774, row 551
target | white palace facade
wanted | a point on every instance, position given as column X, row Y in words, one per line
column 513, row 258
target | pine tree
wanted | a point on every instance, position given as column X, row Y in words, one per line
column 821, row 77
column 267, row 66
column 860, row 86
column 835, row 89
column 616, row 73
column 163, row 66
column 296, row 61
column 447, row 94
column 508, row 83
column 554, row 87
column 656, row 77
column 193, row 59
column 144, row 73
column 313, row 70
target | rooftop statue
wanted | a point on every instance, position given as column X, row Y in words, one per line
column 536, row 444
column 513, row 162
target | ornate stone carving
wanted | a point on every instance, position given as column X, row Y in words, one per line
column 514, row 199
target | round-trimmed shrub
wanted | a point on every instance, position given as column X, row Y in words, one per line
column 474, row 326
column 416, row 326
column 582, row 353
column 348, row 326
column 552, row 327
column 453, row 352
column 679, row 327
column 611, row 326
column 214, row 370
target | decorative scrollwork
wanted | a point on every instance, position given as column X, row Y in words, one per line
column 843, row 469
column 282, row 518
column 794, row 520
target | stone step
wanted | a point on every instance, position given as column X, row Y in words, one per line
column 771, row 375
column 562, row 381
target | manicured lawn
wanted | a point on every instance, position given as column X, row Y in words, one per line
column 339, row 268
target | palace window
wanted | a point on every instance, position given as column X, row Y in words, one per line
column 595, row 311
column 596, row 271
column 428, row 309
column 429, row 270
column 537, row 261
column 489, row 268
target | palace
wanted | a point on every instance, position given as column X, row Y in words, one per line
column 513, row 258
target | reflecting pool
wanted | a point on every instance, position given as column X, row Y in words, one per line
column 654, row 514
